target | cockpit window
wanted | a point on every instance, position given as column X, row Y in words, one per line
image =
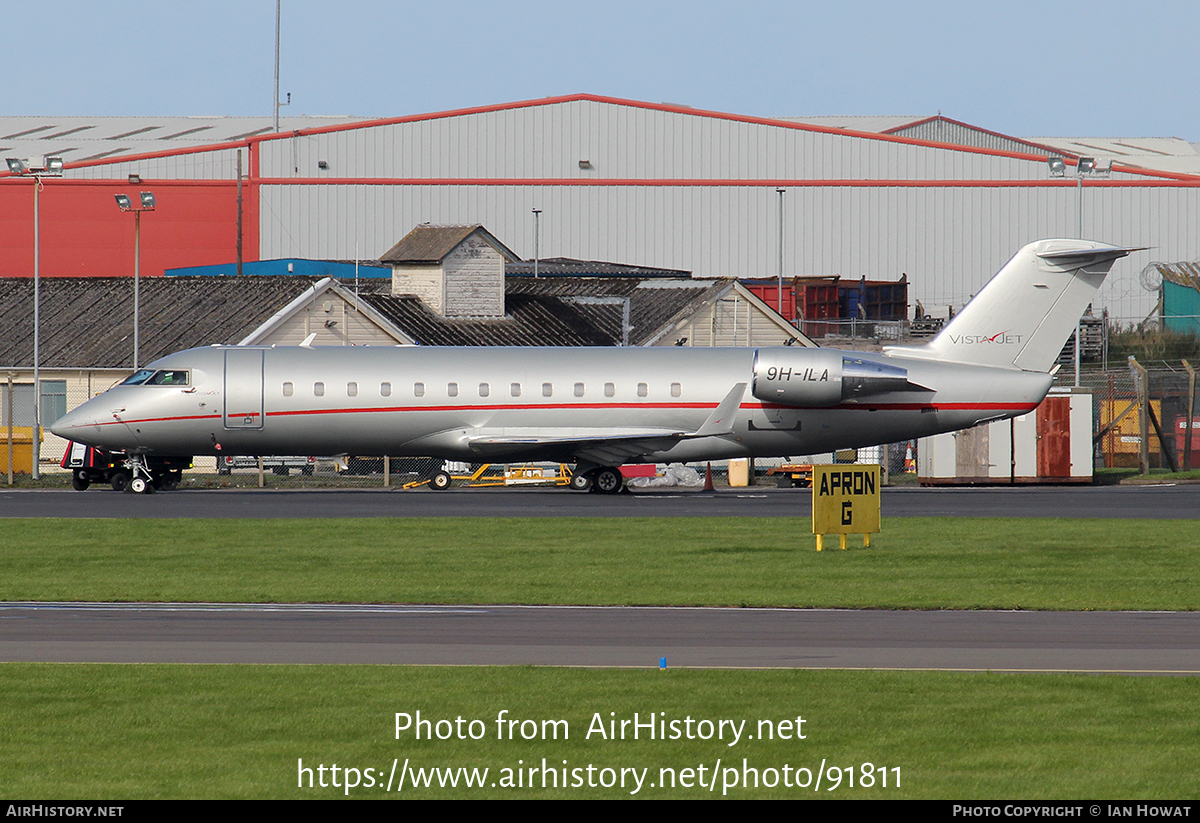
column 162, row 377
column 170, row 377
column 139, row 378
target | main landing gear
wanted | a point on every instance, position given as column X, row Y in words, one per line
column 599, row 479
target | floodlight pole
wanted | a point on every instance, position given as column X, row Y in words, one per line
column 1078, row 203
column 35, row 469
column 147, row 204
column 137, row 278
column 1079, row 234
column 1083, row 165
column 779, row 293
column 51, row 167
column 537, row 224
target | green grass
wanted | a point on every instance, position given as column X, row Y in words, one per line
column 73, row 731
column 917, row 563
column 144, row 731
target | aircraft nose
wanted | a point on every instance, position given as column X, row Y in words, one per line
column 69, row 425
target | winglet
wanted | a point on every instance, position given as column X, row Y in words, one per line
column 720, row 422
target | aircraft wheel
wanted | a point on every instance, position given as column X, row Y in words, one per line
column 168, row 482
column 79, row 481
column 119, row 481
column 138, row 485
column 440, row 481
column 608, row 481
column 581, row 482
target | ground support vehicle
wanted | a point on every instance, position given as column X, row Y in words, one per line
column 90, row 465
column 796, row 476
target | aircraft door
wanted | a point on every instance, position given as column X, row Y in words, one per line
column 243, row 389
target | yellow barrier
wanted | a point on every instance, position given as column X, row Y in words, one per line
column 22, row 449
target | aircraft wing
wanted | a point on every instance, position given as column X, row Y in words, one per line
column 604, row 446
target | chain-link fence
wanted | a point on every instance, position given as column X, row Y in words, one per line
column 1117, row 417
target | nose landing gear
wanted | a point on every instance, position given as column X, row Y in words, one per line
column 141, row 480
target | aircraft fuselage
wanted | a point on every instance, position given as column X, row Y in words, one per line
column 476, row 404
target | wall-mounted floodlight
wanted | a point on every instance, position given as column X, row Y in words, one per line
column 53, row 165
column 147, row 200
column 135, row 179
column 1058, row 167
column 1103, row 165
column 1087, row 165
column 123, row 201
column 16, row 166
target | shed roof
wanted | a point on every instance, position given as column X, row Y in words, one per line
column 567, row 266
column 87, row 322
column 428, row 243
column 556, row 311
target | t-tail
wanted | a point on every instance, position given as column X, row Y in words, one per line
column 1026, row 313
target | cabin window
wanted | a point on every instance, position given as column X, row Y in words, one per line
column 643, row 390
column 676, row 390
column 288, row 389
column 484, row 390
column 547, row 390
column 419, row 389
column 609, row 390
column 515, row 389
column 352, row 389
column 452, row 389
column 319, row 389
column 385, row 389
column 579, row 390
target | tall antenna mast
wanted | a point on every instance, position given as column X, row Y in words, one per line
column 277, row 65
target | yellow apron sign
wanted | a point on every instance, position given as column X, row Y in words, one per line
column 845, row 500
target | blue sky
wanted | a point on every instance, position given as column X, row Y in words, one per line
column 1024, row 68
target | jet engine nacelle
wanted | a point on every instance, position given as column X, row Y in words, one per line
column 822, row 377
column 798, row 377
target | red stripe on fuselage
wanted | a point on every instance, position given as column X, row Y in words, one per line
column 1011, row 407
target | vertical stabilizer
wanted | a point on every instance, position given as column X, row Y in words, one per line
column 1026, row 313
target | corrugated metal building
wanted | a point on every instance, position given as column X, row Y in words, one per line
column 620, row 180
